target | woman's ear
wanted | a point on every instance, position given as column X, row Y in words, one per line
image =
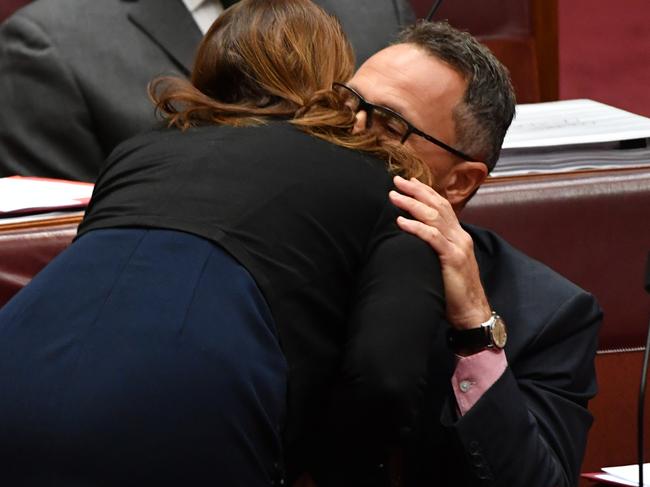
column 462, row 182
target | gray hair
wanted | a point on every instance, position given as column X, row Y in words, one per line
column 489, row 102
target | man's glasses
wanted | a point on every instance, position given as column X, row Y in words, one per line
column 389, row 121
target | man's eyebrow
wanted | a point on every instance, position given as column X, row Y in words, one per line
column 384, row 105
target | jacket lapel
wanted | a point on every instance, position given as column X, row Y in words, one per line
column 170, row 26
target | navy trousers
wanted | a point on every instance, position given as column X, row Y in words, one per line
column 140, row 357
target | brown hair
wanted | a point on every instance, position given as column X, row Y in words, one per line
column 267, row 59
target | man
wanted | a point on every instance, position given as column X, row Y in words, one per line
column 503, row 417
column 74, row 73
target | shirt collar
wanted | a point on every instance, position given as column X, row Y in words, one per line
column 193, row 5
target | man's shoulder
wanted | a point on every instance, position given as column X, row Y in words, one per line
column 498, row 256
column 521, row 283
column 533, row 298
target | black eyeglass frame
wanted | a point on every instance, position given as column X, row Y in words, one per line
column 369, row 108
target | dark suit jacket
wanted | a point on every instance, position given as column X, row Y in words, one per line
column 530, row 428
column 73, row 73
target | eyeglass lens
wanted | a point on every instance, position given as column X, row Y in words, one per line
column 378, row 118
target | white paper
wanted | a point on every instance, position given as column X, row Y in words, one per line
column 571, row 122
column 611, row 478
column 559, row 160
column 19, row 194
column 628, row 474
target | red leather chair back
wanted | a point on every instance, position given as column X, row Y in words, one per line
column 507, row 18
column 591, row 228
column 521, row 33
column 7, row 7
column 24, row 252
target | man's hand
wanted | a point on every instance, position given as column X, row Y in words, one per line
column 437, row 224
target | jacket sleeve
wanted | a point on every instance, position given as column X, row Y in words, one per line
column 45, row 125
column 396, row 312
column 530, row 428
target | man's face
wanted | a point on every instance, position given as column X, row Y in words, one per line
column 421, row 88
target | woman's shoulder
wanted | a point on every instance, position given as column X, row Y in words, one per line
column 273, row 134
column 289, row 138
column 273, row 141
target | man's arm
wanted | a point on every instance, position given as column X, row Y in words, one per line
column 45, row 127
column 529, row 426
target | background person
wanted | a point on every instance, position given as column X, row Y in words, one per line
column 74, row 73
column 228, row 270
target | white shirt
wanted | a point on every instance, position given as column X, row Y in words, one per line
column 205, row 12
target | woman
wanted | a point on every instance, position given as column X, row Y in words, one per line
column 238, row 266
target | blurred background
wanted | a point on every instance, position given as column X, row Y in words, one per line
column 563, row 49
column 556, row 49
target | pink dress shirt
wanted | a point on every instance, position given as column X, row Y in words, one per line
column 474, row 375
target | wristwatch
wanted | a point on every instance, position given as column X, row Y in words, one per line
column 491, row 334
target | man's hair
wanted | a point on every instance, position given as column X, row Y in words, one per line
column 273, row 59
column 488, row 106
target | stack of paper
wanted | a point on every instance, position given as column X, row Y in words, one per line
column 573, row 135
column 21, row 195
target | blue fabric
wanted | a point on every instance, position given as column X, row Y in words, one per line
column 141, row 356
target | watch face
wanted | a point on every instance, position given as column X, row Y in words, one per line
column 499, row 333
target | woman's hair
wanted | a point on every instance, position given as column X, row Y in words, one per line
column 266, row 59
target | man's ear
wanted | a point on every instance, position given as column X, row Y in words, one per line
column 463, row 181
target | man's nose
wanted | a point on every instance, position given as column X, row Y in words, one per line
column 360, row 121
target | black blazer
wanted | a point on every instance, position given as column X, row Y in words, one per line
column 530, row 428
column 74, row 73
column 356, row 301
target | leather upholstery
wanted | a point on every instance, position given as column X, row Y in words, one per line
column 7, row 7
column 503, row 18
column 522, row 34
column 24, row 252
column 592, row 228
column 612, row 439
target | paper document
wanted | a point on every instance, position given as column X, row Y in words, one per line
column 571, row 122
column 24, row 195
column 623, row 475
column 562, row 159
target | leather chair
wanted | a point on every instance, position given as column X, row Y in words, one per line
column 523, row 34
column 7, row 7
column 26, row 248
